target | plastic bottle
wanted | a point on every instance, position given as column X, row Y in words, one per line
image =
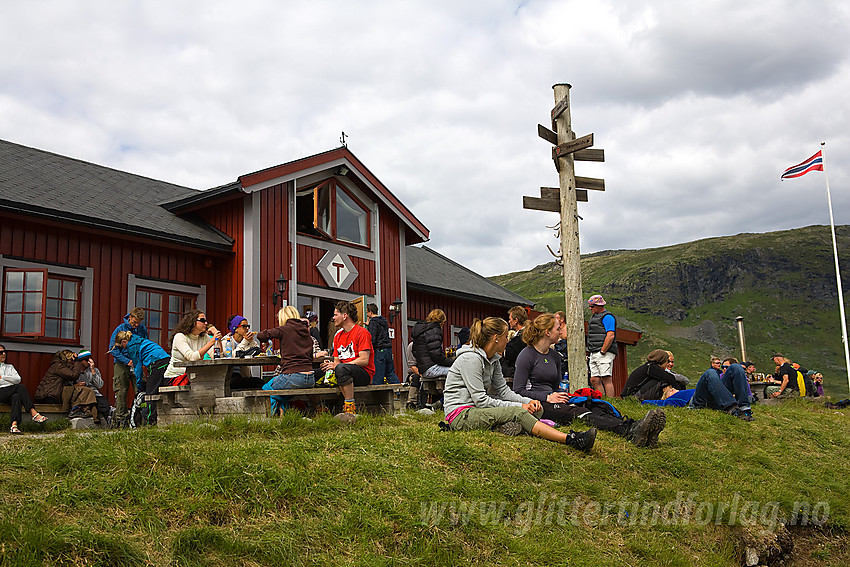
column 228, row 347
column 564, row 386
column 217, row 349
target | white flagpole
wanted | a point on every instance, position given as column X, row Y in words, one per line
column 837, row 272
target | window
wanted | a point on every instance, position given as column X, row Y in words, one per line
column 163, row 309
column 330, row 212
column 41, row 305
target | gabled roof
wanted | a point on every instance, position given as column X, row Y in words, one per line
column 429, row 271
column 330, row 159
column 52, row 186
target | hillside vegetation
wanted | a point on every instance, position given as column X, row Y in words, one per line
column 685, row 298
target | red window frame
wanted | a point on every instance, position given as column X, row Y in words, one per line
column 59, row 301
column 167, row 317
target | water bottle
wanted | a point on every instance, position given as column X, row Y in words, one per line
column 564, row 386
column 228, row 348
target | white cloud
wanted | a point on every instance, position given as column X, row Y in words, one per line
column 699, row 106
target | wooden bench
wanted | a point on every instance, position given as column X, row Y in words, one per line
column 52, row 411
column 380, row 398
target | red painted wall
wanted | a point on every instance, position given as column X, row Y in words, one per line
column 274, row 249
column 112, row 258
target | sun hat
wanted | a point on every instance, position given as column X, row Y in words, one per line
column 596, row 300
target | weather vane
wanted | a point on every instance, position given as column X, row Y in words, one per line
column 342, row 140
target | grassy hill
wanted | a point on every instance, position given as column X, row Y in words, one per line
column 685, row 298
column 398, row 491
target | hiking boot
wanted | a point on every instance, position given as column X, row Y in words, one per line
column 734, row 410
column 511, row 428
column 644, row 433
column 411, row 406
column 583, row 441
column 349, row 407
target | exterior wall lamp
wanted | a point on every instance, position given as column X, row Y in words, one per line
column 395, row 309
column 281, row 289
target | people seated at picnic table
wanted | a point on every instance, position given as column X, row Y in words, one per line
column 428, row 348
column 91, row 378
column 650, row 380
column 296, row 351
column 238, row 341
column 724, row 389
column 476, row 395
column 791, row 381
column 538, row 375
column 144, row 353
column 354, row 358
column 14, row 393
column 193, row 338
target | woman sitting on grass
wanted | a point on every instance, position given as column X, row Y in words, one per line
column 651, row 381
column 476, row 395
column 538, row 374
column 12, row 392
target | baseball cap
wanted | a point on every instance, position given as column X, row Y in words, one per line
column 596, row 300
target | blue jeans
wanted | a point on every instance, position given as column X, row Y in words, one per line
column 287, row 382
column 721, row 394
column 436, row 371
column 384, row 367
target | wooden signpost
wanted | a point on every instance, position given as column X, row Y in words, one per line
column 568, row 149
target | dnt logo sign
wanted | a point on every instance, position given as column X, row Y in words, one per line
column 337, row 269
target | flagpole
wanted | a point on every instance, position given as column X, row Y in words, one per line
column 837, row 271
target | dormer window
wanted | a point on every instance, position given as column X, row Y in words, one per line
column 330, row 212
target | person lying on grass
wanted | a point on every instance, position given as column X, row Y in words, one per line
column 539, row 372
column 476, row 395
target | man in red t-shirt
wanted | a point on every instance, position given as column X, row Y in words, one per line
column 354, row 357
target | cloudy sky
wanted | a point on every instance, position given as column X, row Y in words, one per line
column 699, row 106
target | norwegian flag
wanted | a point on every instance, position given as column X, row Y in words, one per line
column 814, row 163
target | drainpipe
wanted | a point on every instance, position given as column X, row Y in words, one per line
column 740, row 321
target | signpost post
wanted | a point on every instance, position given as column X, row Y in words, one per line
column 568, row 149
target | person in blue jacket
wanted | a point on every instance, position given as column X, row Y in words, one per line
column 145, row 353
column 121, row 383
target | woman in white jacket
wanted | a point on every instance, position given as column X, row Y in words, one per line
column 12, row 392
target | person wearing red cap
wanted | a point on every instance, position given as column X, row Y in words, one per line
column 602, row 345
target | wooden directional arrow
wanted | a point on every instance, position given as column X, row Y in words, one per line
column 547, row 134
column 590, row 183
column 569, row 147
column 589, row 155
column 538, row 204
column 560, row 107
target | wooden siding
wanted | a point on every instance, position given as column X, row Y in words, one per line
column 459, row 312
column 389, row 249
column 274, row 249
column 112, row 257
column 227, row 274
column 309, row 256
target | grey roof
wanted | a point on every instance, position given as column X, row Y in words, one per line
column 62, row 188
column 430, row 271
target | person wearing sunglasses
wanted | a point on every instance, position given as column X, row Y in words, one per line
column 193, row 338
column 14, row 393
column 240, row 339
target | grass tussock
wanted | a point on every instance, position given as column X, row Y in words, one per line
column 398, row 491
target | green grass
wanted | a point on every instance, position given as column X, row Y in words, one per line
column 294, row 492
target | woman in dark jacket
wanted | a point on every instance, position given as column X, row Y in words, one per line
column 651, row 381
column 428, row 348
column 60, row 374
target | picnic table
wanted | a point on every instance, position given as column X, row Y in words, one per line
column 209, row 392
